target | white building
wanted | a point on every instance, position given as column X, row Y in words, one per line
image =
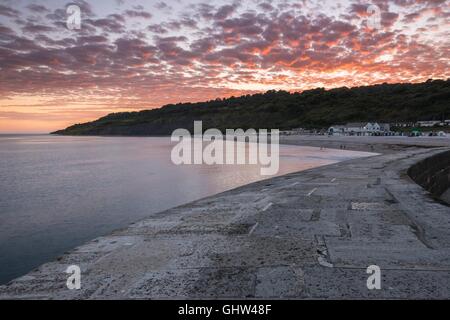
column 429, row 124
column 337, row 130
column 360, row 129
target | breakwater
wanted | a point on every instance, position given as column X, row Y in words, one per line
column 433, row 174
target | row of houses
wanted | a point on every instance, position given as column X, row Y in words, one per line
column 433, row 123
column 368, row 128
column 422, row 124
column 360, row 129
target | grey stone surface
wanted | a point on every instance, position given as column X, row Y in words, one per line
column 206, row 283
column 350, row 283
column 308, row 235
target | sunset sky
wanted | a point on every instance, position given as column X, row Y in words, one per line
column 132, row 55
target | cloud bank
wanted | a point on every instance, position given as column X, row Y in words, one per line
column 143, row 54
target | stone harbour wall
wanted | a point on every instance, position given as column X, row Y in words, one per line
column 433, row 174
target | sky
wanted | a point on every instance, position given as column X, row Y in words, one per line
column 142, row 54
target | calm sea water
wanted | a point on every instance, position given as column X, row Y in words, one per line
column 59, row 192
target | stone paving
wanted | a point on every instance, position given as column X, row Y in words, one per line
column 308, row 235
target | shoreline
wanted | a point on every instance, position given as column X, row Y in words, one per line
column 170, row 240
column 381, row 144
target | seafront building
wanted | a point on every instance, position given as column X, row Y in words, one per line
column 429, row 124
column 360, row 129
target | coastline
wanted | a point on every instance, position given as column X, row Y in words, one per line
column 274, row 238
column 381, row 144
